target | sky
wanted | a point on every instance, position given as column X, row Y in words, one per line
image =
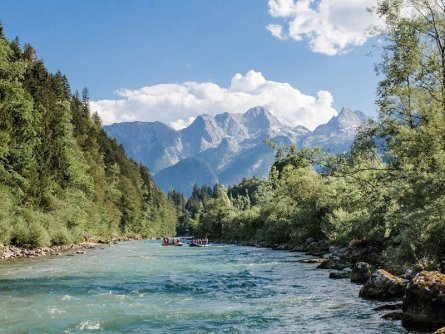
column 171, row 60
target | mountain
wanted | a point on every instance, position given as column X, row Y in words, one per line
column 183, row 175
column 337, row 135
column 153, row 144
column 226, row 147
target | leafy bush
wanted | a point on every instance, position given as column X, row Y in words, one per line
column 6, row 215
column 37, row 236
column 60, row 236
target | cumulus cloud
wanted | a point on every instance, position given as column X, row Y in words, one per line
column 178, row 104
column 277, row 31
column 330, row 27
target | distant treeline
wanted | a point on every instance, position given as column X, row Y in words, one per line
column 388, row 192
column 62, row 179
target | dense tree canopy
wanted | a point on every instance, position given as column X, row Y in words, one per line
column 62, row 179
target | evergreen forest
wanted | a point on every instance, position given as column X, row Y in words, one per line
column 62, row 180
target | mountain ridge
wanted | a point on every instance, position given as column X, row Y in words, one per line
column 231, row 144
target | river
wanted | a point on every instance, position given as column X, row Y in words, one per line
column 141, row 287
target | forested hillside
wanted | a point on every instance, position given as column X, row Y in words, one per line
column 389, row 191
column 62, row 179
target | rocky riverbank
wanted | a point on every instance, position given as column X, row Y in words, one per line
column 416, row 297
column 11, row 252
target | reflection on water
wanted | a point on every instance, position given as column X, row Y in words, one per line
column 140, row 287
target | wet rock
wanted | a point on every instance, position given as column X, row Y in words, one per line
column 398, row 315
column 340, row 274
column 81, row 252
column 409, row 274
column 317, row 248
column 7, row 255
column 361, row 272
column 316, row 260
column 299, row 248
column 333, row 264
column 383, row 285
column 388, row 307
column 440, row 331
column 424, row 303
column 309, row 240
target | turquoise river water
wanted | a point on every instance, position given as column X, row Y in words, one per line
column 141, row 287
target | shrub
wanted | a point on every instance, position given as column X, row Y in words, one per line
column 6, row 215
column 38, row 236
column 60, row 236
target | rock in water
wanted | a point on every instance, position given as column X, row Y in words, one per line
column 333, row 264
column 383, row 307
column 340, row 274
column 399, row 315
column 317, row 260
column 383, row 285
column 424, row 302
column 361, row 272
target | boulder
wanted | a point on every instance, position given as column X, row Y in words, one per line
column 424, row 302
column 340, row 274
column 361, row 272
column 440, row 331
column 299, row 248
column 316, row 260
column 398, row 315
column 333, row 264
column 409, row 274
column 383, row 285
column 7, row 255
column 383, row 307
column 310, row 240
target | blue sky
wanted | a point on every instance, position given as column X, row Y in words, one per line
column 117, row 45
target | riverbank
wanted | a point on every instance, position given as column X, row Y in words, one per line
column 11, row 252
column 414, row 296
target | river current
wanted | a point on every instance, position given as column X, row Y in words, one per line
column 141, row 287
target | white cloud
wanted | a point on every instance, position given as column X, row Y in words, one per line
column 178, row 104
column 277, row 31
column 331, row 27
column 181, row 124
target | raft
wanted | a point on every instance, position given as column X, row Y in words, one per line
column 177, row 244
column 197, row 245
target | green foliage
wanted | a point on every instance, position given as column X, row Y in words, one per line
column 389, row 191
column 62, row 179
column 6, row 215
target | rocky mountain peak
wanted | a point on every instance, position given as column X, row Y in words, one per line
column 301, row 130
column 231, row 144
column 350, row 119
column 259, row 114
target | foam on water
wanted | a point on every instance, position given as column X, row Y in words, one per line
column 139, row 287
